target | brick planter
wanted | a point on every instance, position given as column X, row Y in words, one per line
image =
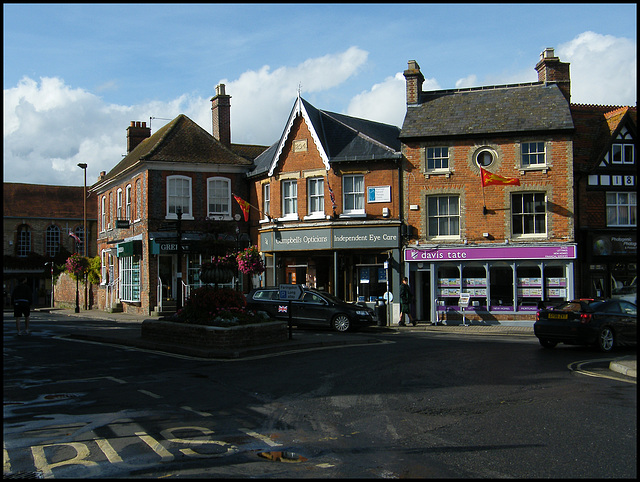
column 214, row 336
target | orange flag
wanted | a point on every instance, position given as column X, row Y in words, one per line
column 244, row 205
column 489, row 179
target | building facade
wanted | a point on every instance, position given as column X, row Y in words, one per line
column 328, row 194
column 166, row 207
column 606, row 200
column 40, row 227
column 489, row 197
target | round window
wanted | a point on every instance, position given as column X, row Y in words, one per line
column 485, row 158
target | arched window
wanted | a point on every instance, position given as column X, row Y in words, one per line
column 23, row 247
column 53, row 240
column 127, row 204
column 219, row 197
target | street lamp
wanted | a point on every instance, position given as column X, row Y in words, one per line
column 83, row 166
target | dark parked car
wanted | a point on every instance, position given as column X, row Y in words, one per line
column 317, row 308
column 603, row 323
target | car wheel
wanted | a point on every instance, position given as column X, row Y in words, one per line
column 341, row 323
column 606, row 339
column 547, row 343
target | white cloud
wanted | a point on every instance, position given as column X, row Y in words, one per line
column 469, row 81
column 603, row 69
column 262, row 100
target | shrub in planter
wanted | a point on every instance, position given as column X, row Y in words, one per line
column 217, row 307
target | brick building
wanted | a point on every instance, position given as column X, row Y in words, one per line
column 606, row 200
column 329, row 192
column 510, row 245
column 37, row 220
column 163, row 204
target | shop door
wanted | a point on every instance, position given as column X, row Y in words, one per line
column 166, row 272
column 423, row 301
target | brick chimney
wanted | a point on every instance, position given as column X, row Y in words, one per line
column 221, row 115
column 136, row 133
column 552, row 71
column 414, row 82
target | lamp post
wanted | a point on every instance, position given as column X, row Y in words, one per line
column 47, row 264
column 83, row 166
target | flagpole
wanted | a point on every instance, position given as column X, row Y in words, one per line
column 484, row 204
column 251, row 205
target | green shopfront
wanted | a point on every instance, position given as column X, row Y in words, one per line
column 355, row 263
column 504, row 284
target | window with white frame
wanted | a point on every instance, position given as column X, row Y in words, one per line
column 443, row 216
column 290, row 198
column 316, row 196
column 103, row 213
column 138, row 199
column 437, row 158
column 23, row 247
column 533, row 154
column 178, row 195
column 266, row 199
column 353, row 194
column 119, row 204
column 104, row 273
column 53, row 240
column 130, row 278
column 528, row 214
column 622, row 209
column 623, row 153
column 219, row 197
column 127, row 203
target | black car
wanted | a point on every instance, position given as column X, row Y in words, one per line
column 317, row 308
column 603, row 323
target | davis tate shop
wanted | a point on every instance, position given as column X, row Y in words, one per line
column 505, row 284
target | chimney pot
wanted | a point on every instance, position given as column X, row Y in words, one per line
column 221, row 116
column 136, row 133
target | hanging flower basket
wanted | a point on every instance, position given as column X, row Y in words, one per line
column 219, row 270
column 250, row 262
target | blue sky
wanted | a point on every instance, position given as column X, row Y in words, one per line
column 75, row 75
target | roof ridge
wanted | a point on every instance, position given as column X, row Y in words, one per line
column 359, row 133
column 481, row 88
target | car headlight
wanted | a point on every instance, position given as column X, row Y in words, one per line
column 362, row 313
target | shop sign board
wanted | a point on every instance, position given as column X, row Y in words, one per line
column 491, row 253
column 379, row 194
column 329, row 238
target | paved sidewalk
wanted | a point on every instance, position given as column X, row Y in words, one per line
column 128, row 334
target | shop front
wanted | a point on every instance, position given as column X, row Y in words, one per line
column 498, row 284
column 355, row 263
column 611, row 263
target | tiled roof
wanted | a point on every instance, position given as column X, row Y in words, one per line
column 248, row 151
column 594, row 127
column 181, row 140
column 62, row 202
column 492, row 110
column 343, row 138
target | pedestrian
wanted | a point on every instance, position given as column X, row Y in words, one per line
column 21, row 299
column 406, row 297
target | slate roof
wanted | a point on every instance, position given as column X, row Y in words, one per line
column 532, row 107
column 180, row 140
column 343, row 138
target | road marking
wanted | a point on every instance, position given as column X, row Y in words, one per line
column 260, row 437
column 156, row 446
column 108, row 450
column 203, row 414
column 40, row 459
column 577, row 367
column 151, row 394
column 117, row 380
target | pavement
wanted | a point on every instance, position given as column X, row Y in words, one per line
column 128, row 333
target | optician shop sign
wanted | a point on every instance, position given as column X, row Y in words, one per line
column 329, row 238
column 491, row 253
